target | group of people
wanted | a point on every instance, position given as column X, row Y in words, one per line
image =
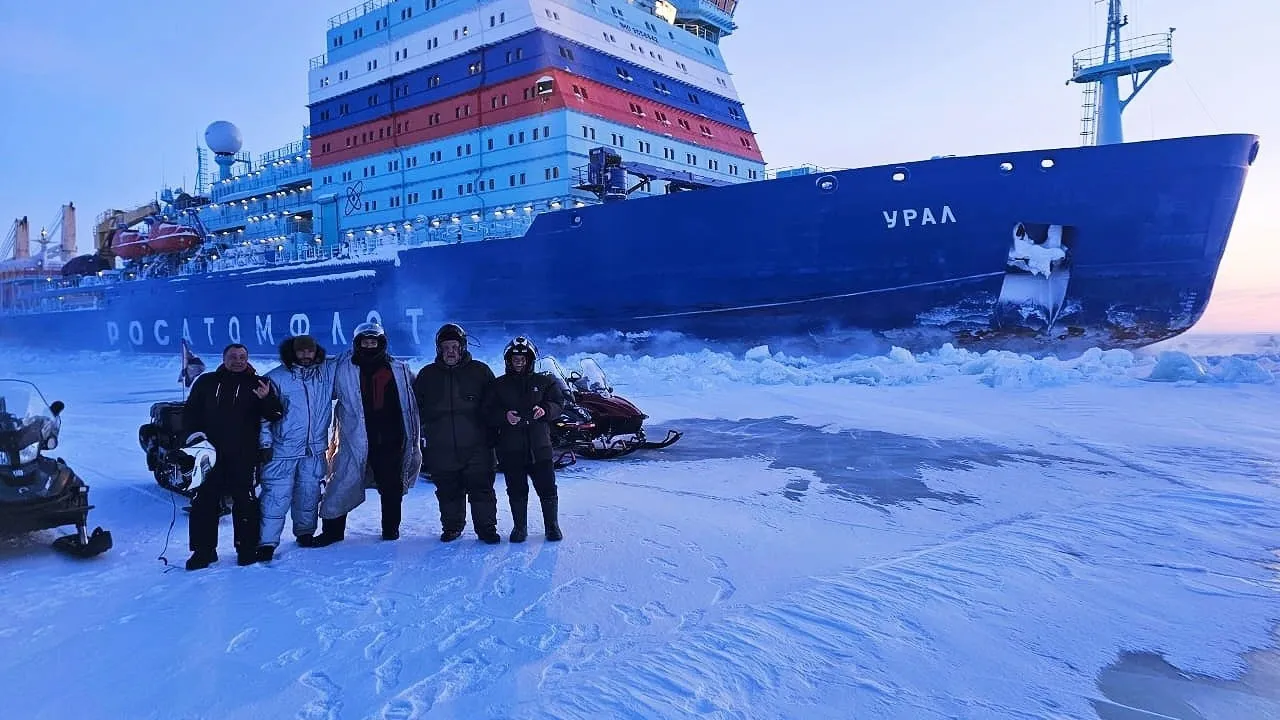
column 318, row 431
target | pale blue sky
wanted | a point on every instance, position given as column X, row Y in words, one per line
column 104, row 99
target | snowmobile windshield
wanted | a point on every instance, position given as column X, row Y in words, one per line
column 26, row 422
column 549, row 364
column 594, row 377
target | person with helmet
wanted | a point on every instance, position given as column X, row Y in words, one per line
column 458, row 455
column 378, row 435
column 297, row 444
column 521, row 405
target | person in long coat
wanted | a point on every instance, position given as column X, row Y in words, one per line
column 376, row 436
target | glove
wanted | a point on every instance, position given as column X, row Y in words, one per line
column 264, row 455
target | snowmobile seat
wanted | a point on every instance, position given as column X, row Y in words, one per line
column 162, row 438
column 167, row 419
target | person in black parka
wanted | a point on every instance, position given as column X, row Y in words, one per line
column 458, row 454
column 228, row 406
column 520, row 405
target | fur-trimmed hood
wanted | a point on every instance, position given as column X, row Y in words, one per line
column 287, row 357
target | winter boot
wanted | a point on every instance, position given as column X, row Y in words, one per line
column 201, row 559
column 306, row 541
column 391, row 512
column 519, row 519
column 331, row 531
column 550, row 509
column 450, row 534
column 266, row 552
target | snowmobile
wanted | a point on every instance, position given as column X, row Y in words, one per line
column 596, row 423
column 179, row 464
column 39, row 492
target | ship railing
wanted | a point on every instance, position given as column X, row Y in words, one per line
column 269, row 177
column 266, row 228
column 792, row 170
column 1129, row 49
column 319, row 61
column 293, row 151
column 699, row 30
column 440, row 232
column 289, row 201
column 31, row 306
column 51, row 294
column 363, row 8
column 721, row 10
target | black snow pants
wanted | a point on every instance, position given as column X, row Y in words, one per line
column 236, row 480
column 455, row 488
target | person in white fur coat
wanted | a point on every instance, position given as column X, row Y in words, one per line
column 376, row 436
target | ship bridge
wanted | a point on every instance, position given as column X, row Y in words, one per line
column 707, row 19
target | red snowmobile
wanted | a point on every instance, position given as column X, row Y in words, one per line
column 596, row 424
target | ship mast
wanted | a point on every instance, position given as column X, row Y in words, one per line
column 1099, row 69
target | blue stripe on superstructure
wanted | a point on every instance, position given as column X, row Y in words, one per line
column 410, row 169
column 373, row 33
column 653, row 29
column 537, row 49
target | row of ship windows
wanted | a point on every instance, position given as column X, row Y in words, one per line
column 381, row 23
column 518, row 54
column 645, row 147
column 624, row 74
column 407, row 13
column 435, row 156
column 402, row 89
column 501, row 100
column 413, row 198
column 638, row 110
column 466, row 149
column 433, row 119
column 494, row 20
column 458, row 33
column 654, row 29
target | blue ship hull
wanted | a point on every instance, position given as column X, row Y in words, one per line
column 917, row 253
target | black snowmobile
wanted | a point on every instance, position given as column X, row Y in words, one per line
column 38, row 492
column 178, row 463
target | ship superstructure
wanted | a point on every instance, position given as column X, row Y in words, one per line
column 471, row 118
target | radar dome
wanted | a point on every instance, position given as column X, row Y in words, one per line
column 223, row 137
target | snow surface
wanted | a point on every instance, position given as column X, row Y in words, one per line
column 943, row 535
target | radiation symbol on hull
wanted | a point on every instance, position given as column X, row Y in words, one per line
column 353, row 196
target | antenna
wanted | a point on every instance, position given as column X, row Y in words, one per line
column 1099, row 69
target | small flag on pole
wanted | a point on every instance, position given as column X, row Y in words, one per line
column 192, row 365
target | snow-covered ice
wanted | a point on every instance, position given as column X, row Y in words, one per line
column 943, row 535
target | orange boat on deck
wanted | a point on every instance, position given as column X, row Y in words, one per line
column 164, row 237
column 171, row 237
column 130, row 244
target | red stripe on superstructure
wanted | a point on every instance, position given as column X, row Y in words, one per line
column 473, row 110
column 615, row 105
column 455, row 115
